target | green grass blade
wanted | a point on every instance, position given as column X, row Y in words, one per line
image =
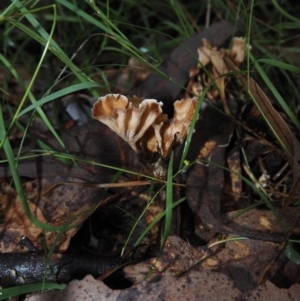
column 32, row 99
column 17, row 181
column 56, row 51
column 186, row 28
column 280, row 65
column 275, row 92
column 59, row 94
column 284, row 13
column 192, row 127
column 156, row 220
column 169, row 201
column 106, row 25
column 7, row 293
column 43, row 37
column 141, row 215
column 292, row 254
column 27, row 90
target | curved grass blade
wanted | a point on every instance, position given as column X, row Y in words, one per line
column 280, row 65
column 192, row 126
column 43, row 37
column 27, row 89
column 59, row 94
column 156, row 220
column 276, row 94
column 284, row 13
column 17, row 181
column 292, row 254
column 169, row 201
column 28, row 288
column 276, row 123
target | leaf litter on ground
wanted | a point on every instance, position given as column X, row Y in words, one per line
column 210, row 143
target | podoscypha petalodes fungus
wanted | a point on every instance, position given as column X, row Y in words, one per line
column 141, row 123
column 212, row 59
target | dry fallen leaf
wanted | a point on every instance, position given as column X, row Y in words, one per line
column 177, row 257
column 234, row 269
column 264, row 221
column 49, row 207
column 195, row 286
column 205, row 285
column 234, row 259
column 242, row 261
column 268, row 291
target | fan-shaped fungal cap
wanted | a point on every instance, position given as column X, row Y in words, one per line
column 142, row 124
column 122, row 117
column 174, row 131
column 237, row 51
column 213, row 59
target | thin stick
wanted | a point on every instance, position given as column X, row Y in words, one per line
column 208, row 11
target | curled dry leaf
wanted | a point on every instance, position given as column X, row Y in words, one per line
column 142, row 124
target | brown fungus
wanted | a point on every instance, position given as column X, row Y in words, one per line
column 121, row 116
column 142, row 124
column 212, row 59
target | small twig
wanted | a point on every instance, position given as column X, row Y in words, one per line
column 105, row 185
column 208, row 11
